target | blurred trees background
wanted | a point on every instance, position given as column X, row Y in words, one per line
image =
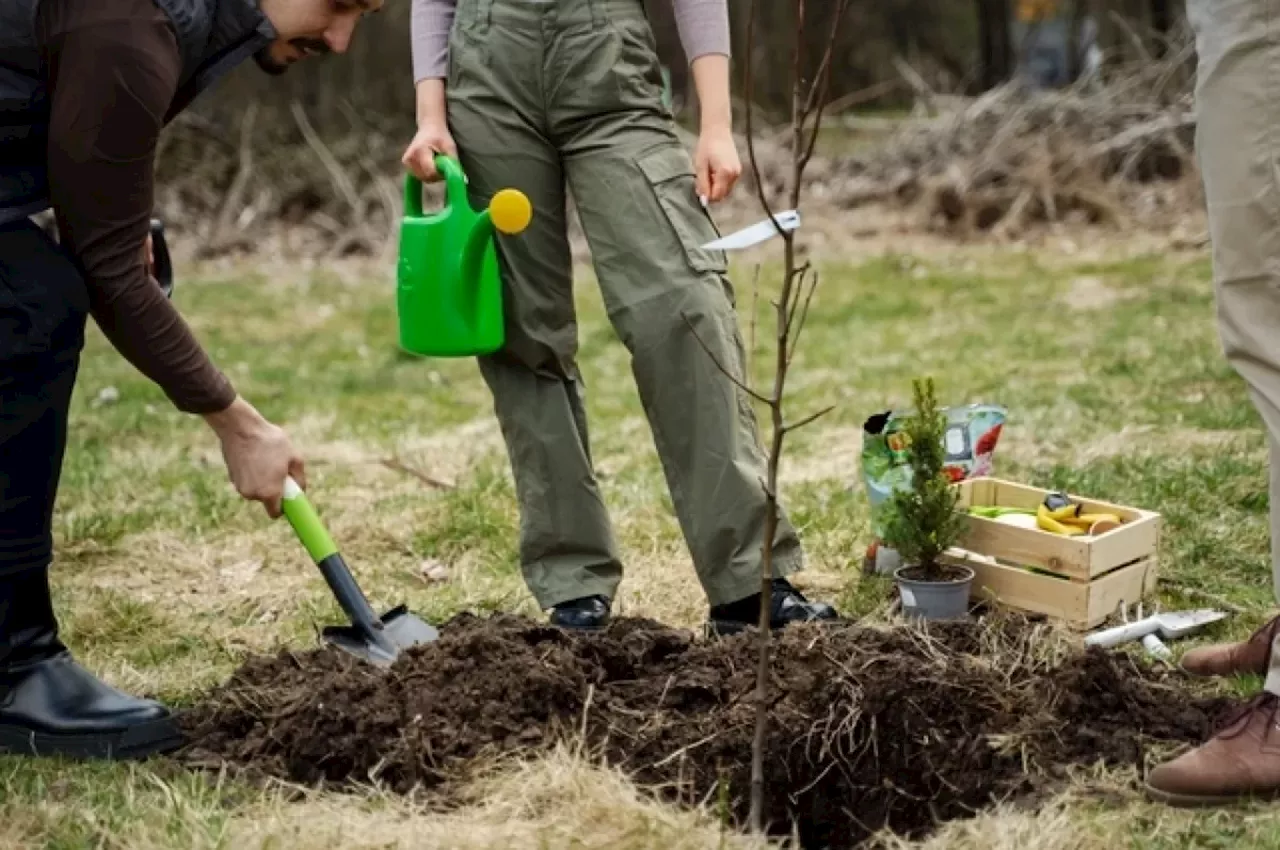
column 310, row 163
column 955, row 46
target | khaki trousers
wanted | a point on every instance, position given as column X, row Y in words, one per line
column 567, row 95
column 1238, row 147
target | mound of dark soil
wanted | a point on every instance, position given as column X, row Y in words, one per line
column 869, row 728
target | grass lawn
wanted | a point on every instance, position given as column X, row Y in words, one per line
column 1109, row 366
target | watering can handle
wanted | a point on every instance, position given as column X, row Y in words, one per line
column 455, row 186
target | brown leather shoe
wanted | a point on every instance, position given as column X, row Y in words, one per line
column 1242, row 761
column 1229, row 659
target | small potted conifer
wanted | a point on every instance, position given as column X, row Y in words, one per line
column 922, row 521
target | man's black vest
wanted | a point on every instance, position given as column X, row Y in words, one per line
column 213, row 37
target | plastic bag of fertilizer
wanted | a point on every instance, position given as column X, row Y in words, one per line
column 969, row 442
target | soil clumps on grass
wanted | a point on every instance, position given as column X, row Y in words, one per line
column 870, row 728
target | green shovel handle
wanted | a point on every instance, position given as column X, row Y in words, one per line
column 306, row 523
column 336, row 574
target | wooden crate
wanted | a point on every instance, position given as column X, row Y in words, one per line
column 1079, row 580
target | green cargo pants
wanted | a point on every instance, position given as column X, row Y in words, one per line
column 541, row 94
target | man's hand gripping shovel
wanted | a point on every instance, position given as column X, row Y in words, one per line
column 375, row 639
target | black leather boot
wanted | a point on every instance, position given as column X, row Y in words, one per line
column 588, row 612
column 788, row 606
column 49, row 704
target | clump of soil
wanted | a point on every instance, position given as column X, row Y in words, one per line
column 869, row 728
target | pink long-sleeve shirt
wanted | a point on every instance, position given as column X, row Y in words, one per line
column 703, row 27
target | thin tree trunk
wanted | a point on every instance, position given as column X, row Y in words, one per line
column 1162, row 24
column 1075, row 23
column 994, row 42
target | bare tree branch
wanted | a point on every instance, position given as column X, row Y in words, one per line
column 814, row 417
column 716, row 360
column 398, row 465
column 804, row 313
column 793, row 300
column 749, row 85
column 797, row 115
column 857, row 98
column 749, row 367
column 818, row 91
column 220, row 238
column 341, row 181
column 387, row 195
column 791, row 309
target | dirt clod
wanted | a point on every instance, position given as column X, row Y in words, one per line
column 869, row 728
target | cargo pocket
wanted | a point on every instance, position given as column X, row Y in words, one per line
column 636, row 68
column 670, row 176
column 453, row 61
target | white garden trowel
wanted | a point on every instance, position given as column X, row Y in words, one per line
column 756, row 233
column 1169, row 626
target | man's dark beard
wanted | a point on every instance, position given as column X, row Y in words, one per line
column 275, row 69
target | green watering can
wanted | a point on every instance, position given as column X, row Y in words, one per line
column 449, row 293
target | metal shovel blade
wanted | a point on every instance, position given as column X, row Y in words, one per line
column 1170, row 626
column 1176, row 624
column 382, row 644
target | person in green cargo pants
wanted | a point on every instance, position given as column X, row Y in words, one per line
column 544, row 95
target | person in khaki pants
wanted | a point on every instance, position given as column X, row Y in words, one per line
column 544, row 94
column 1238, row 145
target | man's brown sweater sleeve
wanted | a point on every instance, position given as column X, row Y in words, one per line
column 112, row 71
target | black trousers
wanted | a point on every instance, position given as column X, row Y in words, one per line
column 44, row 304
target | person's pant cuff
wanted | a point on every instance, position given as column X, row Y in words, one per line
column 748, row 583
column 591, row 587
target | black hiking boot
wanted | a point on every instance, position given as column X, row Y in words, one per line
column 50, row 705
column 585, row 613
column 788, row 606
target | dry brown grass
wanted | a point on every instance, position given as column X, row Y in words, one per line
column 559, row 801
column 1054, row 827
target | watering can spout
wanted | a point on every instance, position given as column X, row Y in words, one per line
column 449, row 288
column 509, row 212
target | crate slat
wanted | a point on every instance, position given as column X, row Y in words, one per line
column 1083, row 605
column 1080, row 558
column 1088, row 578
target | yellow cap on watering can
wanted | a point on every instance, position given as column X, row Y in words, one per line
column 449, row 292
column 510, row 211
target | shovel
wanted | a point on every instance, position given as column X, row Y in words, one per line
column 375, row 639
column 1169, row 626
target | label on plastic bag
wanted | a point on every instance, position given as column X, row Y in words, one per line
column 969, row 442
